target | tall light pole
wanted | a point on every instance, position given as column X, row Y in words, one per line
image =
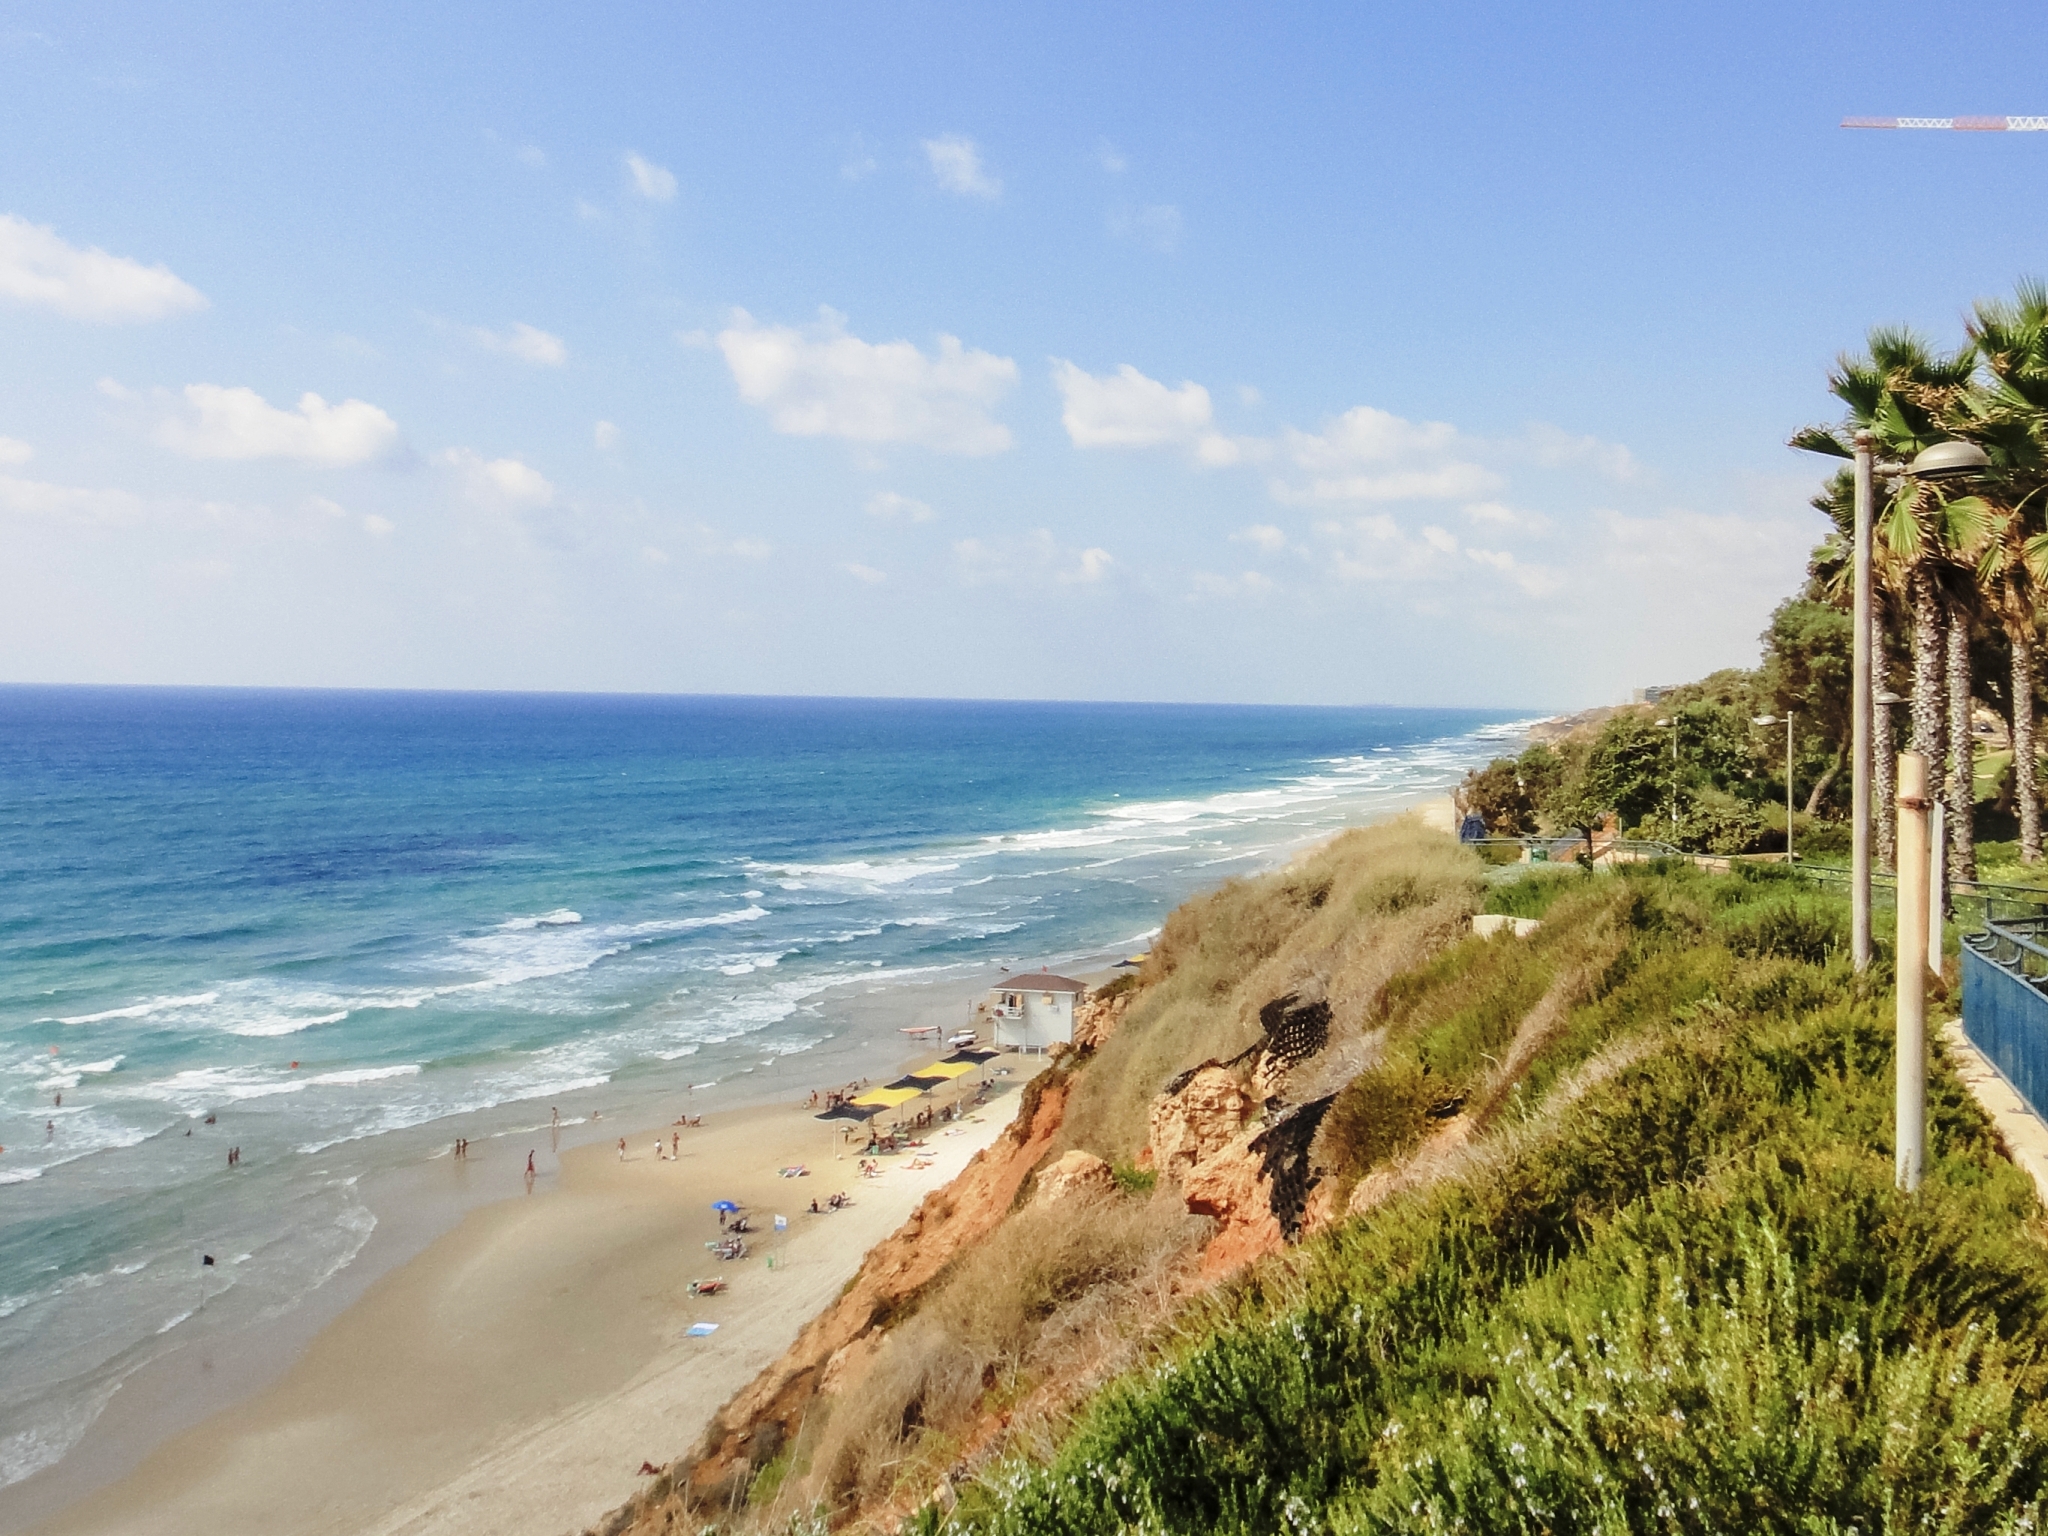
column 1860, row 702
column 1673, row 723
column 1773, row 720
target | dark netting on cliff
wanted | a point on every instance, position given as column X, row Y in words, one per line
column 1295, row 1033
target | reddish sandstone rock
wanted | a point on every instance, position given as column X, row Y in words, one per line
column 1095, row 1022
column 1078, row 1173
column 1201, row 1115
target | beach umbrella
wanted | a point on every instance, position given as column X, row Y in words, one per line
column 724, row 1205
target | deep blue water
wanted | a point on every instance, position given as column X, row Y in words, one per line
column 347, row 925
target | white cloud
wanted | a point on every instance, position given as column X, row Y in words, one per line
column 1110, row 158
column 1554, row 448
column 1498, row 514
column 39, row 498
column 1377, row 548
column 859, row 163
column 1368, row 454
column 504, row 483
column 39, row 267
column 1245, row 584
column 866, row 573
column 1158, row 226
column 891, row 507
column 822, row 382
column 1249, row 394
column 605, row 435
column 1093, row 565
column 655, row 183
column 1041, row 556
column 526, row 342
column 1126, row 409
column 223, row 423
column 532, row 155
column 114, row 389
column 377, row 526
column 654, row 556
column 14, row 451
column 1264, row 535
column 956, row 164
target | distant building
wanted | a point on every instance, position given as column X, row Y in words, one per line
column 1651, row 695
column 1035, row 1010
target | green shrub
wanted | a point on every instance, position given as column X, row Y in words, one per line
column 1690, row 1301
column 1382, row 1114
column 1532, row 894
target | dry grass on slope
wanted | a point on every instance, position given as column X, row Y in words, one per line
column 1055, row 1301
column 1335, row 925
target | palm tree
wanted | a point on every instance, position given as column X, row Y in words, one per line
column 2010, row 421
column 1900, row 392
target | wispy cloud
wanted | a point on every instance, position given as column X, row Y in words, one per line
column 1127, row 409
column 956, row 165
column 505, row 484
column 1157, row 226
column 234, row 423
column 654, row 182
column 890, row 507
column 526, row 342
column 39, row 268
column 821, row 381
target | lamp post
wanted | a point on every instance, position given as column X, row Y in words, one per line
column 1940, row 461
column 1773, row 720
column 1859, row 709
column 1673, row 723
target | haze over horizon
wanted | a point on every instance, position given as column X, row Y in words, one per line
column 1314, row 355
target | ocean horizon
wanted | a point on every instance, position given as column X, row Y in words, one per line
column 338, row 929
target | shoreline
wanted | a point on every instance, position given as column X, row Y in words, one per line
column 513, row 1373
column 182, row 1444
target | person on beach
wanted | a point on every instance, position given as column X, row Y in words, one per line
column 554, row 1115
column 622, row 1149
column 675, row 1143
column 50, row 1130
column 529, row 1165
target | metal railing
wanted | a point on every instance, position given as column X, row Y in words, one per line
column 2005, row 1001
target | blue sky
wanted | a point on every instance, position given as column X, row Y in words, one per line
column 1274, row 354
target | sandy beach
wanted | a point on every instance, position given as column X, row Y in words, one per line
column 513, row 1376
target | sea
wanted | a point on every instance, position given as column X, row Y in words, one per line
column 339, row 930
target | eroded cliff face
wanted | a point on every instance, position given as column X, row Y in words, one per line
column 1240, row 1152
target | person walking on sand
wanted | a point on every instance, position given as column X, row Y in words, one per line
column 529, row 1165
column 622, row 1149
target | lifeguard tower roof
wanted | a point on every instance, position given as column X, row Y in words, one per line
column 1040, row 981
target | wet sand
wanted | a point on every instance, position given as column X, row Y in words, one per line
column 513, row 1376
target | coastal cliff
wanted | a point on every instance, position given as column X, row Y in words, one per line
column 1221, row 1271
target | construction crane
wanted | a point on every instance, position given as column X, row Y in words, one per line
column 1961, row 124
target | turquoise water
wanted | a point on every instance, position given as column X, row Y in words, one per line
column 348, row 926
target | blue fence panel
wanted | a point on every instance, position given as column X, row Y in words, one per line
column 2006, row 1017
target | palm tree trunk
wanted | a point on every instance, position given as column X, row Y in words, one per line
column 1884, row 764
column 1962, row 744
column 2023, row 788
column 1821, row 785
column 1927, row 659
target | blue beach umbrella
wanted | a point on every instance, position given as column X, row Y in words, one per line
column 723, row 1205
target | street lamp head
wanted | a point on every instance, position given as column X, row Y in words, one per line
column 1763, row 719
column 1946, row 459
column 1660, row 722
column 1884, row 698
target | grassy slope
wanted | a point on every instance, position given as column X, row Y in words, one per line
column 1676, row 1291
